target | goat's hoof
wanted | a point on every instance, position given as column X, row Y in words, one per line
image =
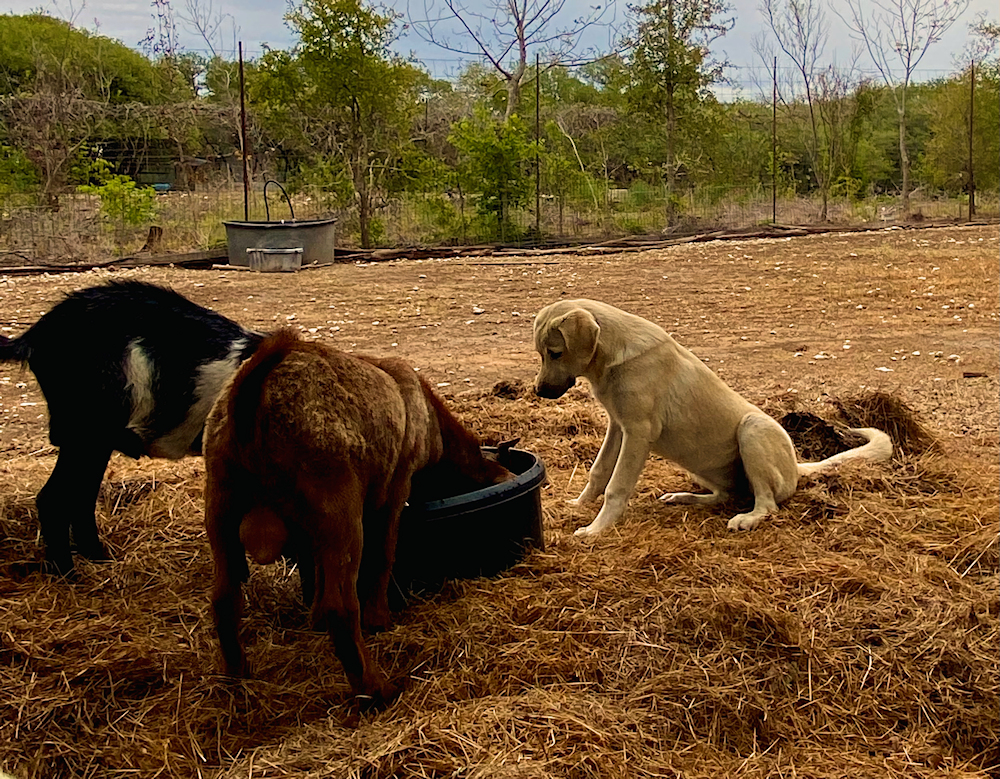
column 45, row 567
column 94, row 550
column 60, row 567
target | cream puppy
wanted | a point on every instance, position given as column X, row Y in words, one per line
column 661, row 398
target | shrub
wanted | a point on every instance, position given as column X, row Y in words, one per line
column 124, row 204
column 17, row 175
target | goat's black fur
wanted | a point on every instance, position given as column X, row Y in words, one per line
column 128, row 367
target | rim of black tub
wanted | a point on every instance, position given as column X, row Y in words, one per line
column 495, row 494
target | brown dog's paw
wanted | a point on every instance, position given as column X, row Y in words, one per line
column 377, row 620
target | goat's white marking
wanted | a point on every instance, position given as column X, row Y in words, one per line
column 209, row 380
column 139, row 383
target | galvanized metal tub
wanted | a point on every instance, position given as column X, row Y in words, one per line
column 314, row 236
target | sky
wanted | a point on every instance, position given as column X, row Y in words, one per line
column 259, row 22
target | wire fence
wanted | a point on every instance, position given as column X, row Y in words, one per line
column 191, row 221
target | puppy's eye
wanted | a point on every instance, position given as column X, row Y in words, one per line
column 554, row 355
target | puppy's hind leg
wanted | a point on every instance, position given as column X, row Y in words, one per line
column 769, row 463
column 603, row 467
column 716, row 496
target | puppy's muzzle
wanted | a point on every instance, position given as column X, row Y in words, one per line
column 553, row 391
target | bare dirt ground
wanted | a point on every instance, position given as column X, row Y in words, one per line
column 856, row 631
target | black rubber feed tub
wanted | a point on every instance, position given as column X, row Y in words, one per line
column 478, row 533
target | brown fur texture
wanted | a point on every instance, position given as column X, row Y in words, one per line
column 310, row 452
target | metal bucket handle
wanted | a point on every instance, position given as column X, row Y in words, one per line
column 267, row 209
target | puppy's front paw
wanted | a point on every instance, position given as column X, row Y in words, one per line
column 744, row 522
column 586, row 532
column 583, row 499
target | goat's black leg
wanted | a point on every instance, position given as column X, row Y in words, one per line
column 67, row 500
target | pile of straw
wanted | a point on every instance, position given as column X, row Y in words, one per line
column 855, row 632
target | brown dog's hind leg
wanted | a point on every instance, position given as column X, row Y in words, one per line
column 225, row 506
column 378, row 558
column 335, row 521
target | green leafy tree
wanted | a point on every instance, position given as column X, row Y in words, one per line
column 17, row 175
column 497, row 158
column 124, row 204
column 945, row 161
column 561, row 178
column 40, row 51
column 670, row 64
column 342, row 92
column 61, row 87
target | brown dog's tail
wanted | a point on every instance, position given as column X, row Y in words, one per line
column 879, row 447
column 245, row 393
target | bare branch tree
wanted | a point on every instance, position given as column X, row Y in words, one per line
column 801, row 30
column 982, row 48
column 210, row 23
column 897, row 35
column 51, row 125
column 504, row 32
column 161, row 40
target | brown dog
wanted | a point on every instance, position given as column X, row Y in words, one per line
column 310, row 452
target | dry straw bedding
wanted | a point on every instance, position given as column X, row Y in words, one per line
column 855, row 633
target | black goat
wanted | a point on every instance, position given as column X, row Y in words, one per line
column 128, row 367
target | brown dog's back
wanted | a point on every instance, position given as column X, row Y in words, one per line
column 299, row 409
column 310, row 452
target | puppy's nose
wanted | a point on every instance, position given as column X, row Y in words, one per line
column 549, row 391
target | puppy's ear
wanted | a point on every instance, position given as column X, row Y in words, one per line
column 580, row 331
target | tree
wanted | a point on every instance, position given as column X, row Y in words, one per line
column 342, row 92
column 982, row 49
column 945, row 161
column 801, row 30
column 210, row 23
column 560, row 175
column 504, row 32
column 58, row 85
column 495, row 161
column 38, row 51
column 897, row 35
column 671, row 64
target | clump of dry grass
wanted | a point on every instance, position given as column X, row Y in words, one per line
column 814, row 437
column 890, row 414
column 855, row 631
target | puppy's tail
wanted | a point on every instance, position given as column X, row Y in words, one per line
column 879, row 447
